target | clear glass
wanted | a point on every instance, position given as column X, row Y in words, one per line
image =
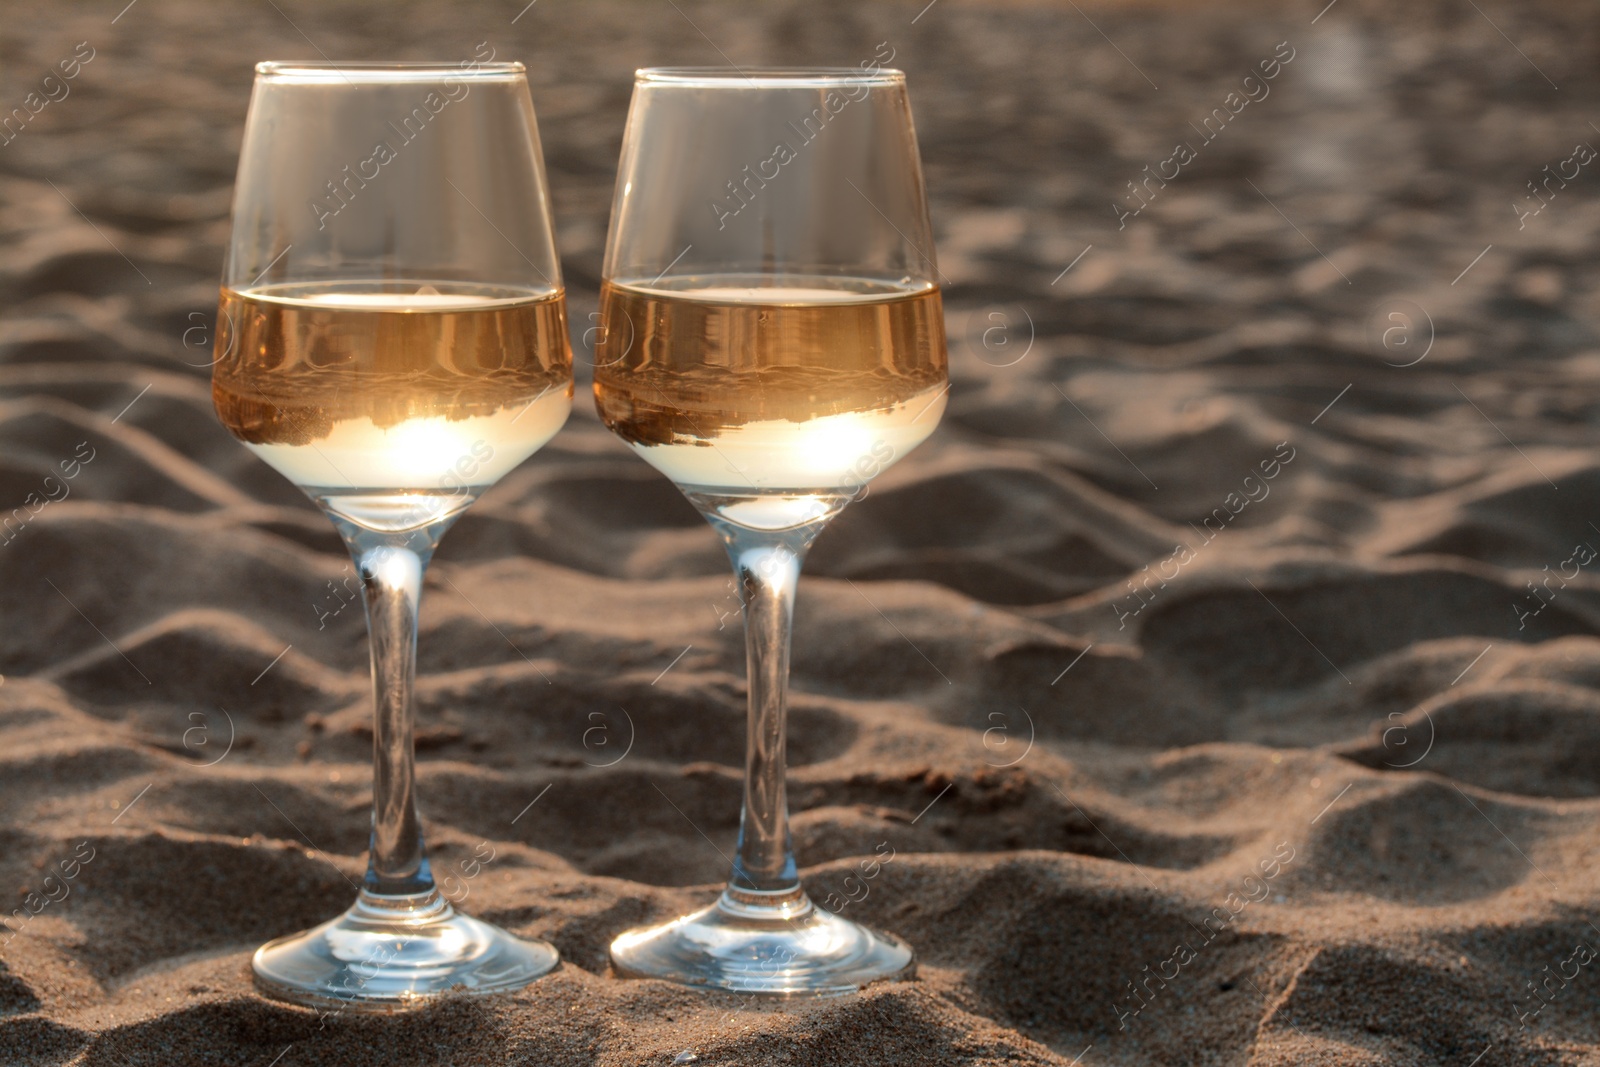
column 771, row 340
column 392, row 338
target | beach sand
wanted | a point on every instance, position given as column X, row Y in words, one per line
column 1319, row 784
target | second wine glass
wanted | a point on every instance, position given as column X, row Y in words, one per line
column 392, row 339
column 771, row 340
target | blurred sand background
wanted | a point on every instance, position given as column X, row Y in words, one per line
column 1352, row 705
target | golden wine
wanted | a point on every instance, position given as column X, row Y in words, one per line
column 763, row 383
column 371, row 386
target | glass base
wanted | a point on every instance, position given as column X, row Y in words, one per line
column 744, row 944
column 389, row 953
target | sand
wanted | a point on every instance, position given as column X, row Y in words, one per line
column 1317, row 787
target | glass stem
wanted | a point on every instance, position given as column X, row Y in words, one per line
column 766, row 565
column 392, row 566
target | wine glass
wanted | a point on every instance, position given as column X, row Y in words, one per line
column 771, row 339
column 392, row 338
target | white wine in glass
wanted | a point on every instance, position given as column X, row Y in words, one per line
column 772, row 339
column 770, row 381
column 392, row 339
column 385, row 402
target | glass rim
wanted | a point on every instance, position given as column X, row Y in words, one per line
column 370, row 71
column 768, row 77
